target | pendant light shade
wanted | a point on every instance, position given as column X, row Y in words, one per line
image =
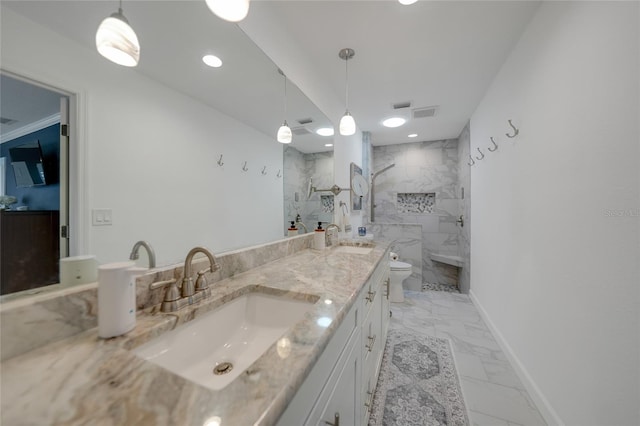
column 407, row 2
column 347, row 123
column 229, row 10
column 284, row 132
column 116, row 40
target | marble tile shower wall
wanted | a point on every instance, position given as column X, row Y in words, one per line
column 464, row 233
column 422, row 167
column 298, row 169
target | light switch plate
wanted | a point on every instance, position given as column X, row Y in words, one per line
column 102, row 217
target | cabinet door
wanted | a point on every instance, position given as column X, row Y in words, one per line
column 386, row 309
column 343, row 405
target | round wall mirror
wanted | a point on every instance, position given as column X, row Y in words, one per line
column 359, row 185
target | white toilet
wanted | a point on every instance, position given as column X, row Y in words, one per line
column 399, row 272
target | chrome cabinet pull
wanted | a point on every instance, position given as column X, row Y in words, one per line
column 336, row 420
column 388, row 283
column 369, row 401
column 371, row 296
column 372, row 342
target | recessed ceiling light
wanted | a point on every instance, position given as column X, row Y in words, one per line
column 325, row 131
column 394, row 122
column 328, row 144
column 413, row 135
column 212, row 61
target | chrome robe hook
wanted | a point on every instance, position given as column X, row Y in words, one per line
column 220, row 163
column 264, row 170
column 472, row 162
column 481, row 153
column 495, row 145
column 515, row 131
column 244, row 167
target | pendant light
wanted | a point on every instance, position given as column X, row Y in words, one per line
column 284, row 132
column 347, row 123
column 229, row 10
column 116, row 40
column 407, row 2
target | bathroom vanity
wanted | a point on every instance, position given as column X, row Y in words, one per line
column 322, row 368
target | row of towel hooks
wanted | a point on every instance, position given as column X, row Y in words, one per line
column 246, row 169
column 494, row 147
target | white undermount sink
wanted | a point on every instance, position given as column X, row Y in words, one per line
column 353, row 249
column 237, row 333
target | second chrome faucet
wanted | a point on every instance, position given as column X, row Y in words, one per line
column 189, row 293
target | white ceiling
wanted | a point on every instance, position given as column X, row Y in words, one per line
column 442, row 53
column 25, row 104
column 174, row 35
column 432, row 53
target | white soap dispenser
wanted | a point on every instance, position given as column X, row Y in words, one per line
column 319, row 242
column 116, row 299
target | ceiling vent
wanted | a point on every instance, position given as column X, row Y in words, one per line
column 299, row 131
column 305, row 121
column 401, row 105
column 4, row 120
column 424, row 112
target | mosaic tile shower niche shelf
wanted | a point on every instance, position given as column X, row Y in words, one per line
column 416, row 202
column 327, row 203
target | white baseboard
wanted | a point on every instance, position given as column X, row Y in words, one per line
column 546, row 410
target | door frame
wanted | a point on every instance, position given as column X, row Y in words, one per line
column 77, row 187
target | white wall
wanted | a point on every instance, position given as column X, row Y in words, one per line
column 150, row 155
column 555, row 243
column 346, row 150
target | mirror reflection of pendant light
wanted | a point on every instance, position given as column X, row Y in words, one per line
column 347, row 123
column 116, row 40
column 229, row 10
column 284, row 132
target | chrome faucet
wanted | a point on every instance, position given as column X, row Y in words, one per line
column 188, row 288
column 150, row 253
column 328, row 234
column 176, row 298
column 299, row 222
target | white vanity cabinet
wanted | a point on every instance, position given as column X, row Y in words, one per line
column 339, row 389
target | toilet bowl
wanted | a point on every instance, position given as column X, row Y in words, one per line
column 399, row 271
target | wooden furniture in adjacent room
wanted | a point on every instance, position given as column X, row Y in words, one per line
column 29, row 249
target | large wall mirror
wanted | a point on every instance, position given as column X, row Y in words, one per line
column 180, row 153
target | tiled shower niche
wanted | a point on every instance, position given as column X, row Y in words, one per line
column 327, row 202
column 415, row 202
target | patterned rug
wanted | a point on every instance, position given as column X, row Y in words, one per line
column 418, row 384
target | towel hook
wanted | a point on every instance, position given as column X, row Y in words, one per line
column 279, row 174
column 472, row 162
column 244, row 167
column 515, row 131
column 481, row 153
column 264, row 170
column 220, row 163
column 495, row 145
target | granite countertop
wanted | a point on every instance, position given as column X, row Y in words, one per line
column 86, row 380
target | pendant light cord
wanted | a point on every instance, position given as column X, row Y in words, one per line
column 346, row 85
column 285, row 97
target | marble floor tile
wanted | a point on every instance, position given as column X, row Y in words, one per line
column 493, row 393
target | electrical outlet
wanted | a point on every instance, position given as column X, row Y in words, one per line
column 102, row 217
